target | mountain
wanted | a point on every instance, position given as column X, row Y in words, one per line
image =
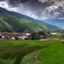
column 15, row 22
column 51, row 27
column 56, row 22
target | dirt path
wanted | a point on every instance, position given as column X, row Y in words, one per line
column 50, row 39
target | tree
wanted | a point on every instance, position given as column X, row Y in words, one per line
column 35, row 36
column 39, row 35
column 44, row 34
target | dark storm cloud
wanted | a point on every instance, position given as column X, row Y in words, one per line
column 1, row 0
column 13, row 2
column 16, row 2
column 21, row 1
column 37, row 8
column 30, row 2
column 34, row 6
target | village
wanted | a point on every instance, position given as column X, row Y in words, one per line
column 14, row 35
column 30, row 35
column 24, row 35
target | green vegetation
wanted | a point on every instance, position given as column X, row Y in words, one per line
column 15, row 22
column 58, row 35
column 39, row 35
column 31, row 52
column 11, row 22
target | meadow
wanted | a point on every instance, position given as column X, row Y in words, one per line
column 31, row 52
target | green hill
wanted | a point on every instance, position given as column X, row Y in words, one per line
column 15, row 22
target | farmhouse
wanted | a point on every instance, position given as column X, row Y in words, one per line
column 14, row 35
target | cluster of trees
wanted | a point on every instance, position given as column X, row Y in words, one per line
column 40, row 35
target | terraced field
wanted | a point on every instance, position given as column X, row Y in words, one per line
column 31, row 52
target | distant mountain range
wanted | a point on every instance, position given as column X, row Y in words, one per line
column 56, row 22
column 15, row 22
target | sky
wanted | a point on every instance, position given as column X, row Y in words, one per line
column 38, row 9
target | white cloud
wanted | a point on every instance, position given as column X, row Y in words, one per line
column 42, row 1
column 5, row 5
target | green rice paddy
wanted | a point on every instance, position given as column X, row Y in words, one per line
column 31, row 52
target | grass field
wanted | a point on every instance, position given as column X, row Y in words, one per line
column 31, row 52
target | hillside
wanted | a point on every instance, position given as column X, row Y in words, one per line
column 15, row 22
